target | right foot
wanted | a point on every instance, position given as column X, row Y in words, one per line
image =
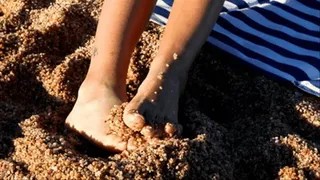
column 89, row 113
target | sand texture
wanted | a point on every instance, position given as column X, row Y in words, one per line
column 238, row 124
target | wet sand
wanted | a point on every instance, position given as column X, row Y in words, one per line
column 238, row 124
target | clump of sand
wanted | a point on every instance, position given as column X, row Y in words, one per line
column 237, row 123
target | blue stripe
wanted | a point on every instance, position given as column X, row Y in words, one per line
column 169, row 2
column 260, row 41
column 295, row 12
column 263, row 1
column 161, row 11
column 296, row 72
column 275, row 18
column 276, row 33
column 224, row 9
column 257, row 17
column 311, row 4
column 304, row 9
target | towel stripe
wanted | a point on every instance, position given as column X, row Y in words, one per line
column 295, row 12
column 254, row 54
column 313, row 4
column 275, row 32
column 258, row 18
column 309, row 56
column 279, row 37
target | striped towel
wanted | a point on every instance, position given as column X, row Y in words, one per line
column 279, row 37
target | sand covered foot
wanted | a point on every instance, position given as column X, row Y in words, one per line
column 154, row 110
column 90, row 112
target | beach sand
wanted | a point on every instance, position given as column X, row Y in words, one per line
column 237, row 123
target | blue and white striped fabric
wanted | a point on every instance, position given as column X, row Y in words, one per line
column 280, row 37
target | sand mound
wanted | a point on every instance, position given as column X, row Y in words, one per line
column 237, row 123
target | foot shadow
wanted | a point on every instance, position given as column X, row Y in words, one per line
column 253, row 109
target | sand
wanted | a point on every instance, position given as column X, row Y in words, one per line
column 238, row 124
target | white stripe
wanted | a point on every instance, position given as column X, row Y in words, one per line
column 274, row 40
column 161, row 19
column 311, row 71
column 258, row 18
column 252, row 3
column 230, row 6
column 250, row 60
column 290, row 17
column 163, row 5
column 310, row 86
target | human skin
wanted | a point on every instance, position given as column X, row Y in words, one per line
column 154, row 110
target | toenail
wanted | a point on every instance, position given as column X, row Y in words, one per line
column 169, row 125
column 170, row 129
column 152, row 100
column 175, row 56
column 160, row 87
column 167, row 65
column 155, row 92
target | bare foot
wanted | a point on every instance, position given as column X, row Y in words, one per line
column 154, row 109
column 90, row 111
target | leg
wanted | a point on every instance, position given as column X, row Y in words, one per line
column 157, row 99
column 120, row 25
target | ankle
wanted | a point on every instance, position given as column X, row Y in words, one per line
column 171, row 71
column 171, row 78
column 93, row 89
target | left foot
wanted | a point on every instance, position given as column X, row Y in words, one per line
column 154, row 109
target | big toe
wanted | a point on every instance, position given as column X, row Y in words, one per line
column 133, row 119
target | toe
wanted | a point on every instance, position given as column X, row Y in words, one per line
column 133, row 114
column 133, row 120
column 132, row 144
column 147, row 132
column 170, row 129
